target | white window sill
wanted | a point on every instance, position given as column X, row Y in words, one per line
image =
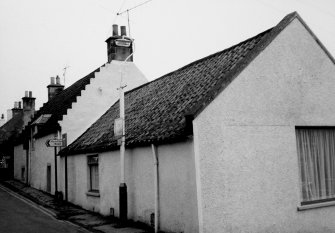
column 93, row 193
column 316, row 205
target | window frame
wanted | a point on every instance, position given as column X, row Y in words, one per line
column 312, row 203
column 90, row 164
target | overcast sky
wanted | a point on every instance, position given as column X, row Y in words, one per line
column 38, row 38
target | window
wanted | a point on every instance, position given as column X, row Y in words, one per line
column 316, row 152
column 93, row 166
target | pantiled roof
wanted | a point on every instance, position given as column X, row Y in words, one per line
column 11, row 129
column 59, row 104
column 157, row 112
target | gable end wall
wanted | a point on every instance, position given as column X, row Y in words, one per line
column 245, row 147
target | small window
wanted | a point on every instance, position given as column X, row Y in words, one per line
column 316, row 152
column 93, row 166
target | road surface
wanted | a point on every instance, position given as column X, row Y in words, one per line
column 17, row 215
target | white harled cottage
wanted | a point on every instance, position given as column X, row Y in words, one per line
column 241, row 141
column 69, row 112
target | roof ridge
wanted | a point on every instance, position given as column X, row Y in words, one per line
column 158, row 109
column 200, row 60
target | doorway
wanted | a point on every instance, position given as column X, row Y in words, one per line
column 49, row 178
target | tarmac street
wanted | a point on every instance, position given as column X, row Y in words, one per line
column 17, row 215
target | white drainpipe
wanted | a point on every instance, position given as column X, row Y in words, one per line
column 156, row 171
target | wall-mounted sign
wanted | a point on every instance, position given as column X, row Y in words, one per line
column 118, row 127
column 122, row 42
column 54, row 142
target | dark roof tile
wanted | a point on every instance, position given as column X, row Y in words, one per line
column 12, row 128
column 156, row 112
column 59, row 104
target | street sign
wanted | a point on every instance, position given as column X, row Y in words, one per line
column 54, row 142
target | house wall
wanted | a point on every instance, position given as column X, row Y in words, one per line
column 19, row 161
column 245, row 144
column 40, row 157
column 176, row 177
column 98, row 96
column 101, row 93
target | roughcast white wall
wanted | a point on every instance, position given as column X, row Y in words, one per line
column 245, row 144
column 178, row 205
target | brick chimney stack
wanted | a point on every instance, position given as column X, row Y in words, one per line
column 119, row 47
column 54, row 88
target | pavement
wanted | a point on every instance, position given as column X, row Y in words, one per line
column 68, row 212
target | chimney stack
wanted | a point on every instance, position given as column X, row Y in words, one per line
column 28, row 106
column 17, row 108
column 119, row 47
column 54, row 88
column 28, row 101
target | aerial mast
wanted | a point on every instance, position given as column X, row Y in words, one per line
column 132, row 8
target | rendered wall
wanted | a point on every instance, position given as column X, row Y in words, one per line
column 178, row 203
column 245, row 144
column 94, row 101
column 19, row 161
column 41, row 156
column 99, row 96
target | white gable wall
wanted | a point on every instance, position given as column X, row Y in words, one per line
column 245, row 144
column 176, row 177
column 98, row 96
column 94, row 101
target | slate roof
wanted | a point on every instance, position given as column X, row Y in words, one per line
column 59, row 104
column 161, row 111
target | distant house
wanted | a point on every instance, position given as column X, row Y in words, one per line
column 69, row 112
column 10, row 132
column 245, row 141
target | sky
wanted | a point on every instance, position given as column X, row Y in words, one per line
column 38, row 38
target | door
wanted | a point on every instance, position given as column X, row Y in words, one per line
column 49, row 178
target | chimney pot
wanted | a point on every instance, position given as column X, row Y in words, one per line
column 57, row 80
column 26, row 94
column 115, row 30
column 19, row 104
column 123, row 31
column 30, row 94
column 2, row 116
column 52, row 80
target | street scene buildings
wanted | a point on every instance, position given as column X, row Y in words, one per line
column 242, row 140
